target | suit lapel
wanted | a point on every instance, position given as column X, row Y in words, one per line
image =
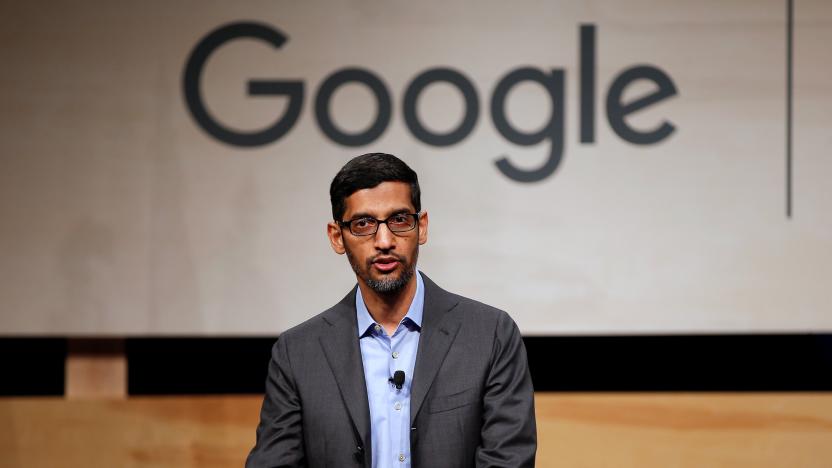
column 438, row 332
column 343, row 354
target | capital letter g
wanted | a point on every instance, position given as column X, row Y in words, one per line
column 193, row 96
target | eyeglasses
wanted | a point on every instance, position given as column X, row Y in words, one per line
column 399, row 222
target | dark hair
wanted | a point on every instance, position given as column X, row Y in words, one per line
column 367, row 171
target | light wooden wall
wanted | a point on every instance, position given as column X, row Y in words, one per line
column 122, row 216
column 575, row 431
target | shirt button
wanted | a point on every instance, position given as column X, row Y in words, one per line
column 377, row 327
column 398, row 406
column 401, row 457
column 395, row 354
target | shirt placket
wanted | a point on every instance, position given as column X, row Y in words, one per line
column 382, row 347
column 398, row 399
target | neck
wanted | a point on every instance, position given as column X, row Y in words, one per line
column 388, row 309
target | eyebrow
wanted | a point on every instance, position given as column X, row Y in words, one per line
column 368, row 215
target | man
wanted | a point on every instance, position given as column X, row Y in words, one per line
column 400, row 373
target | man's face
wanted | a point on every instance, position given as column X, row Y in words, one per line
column 384, row 261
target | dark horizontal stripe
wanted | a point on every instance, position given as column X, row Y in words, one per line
column 690, row 363
column 575, row 363
column 32, row 366
column 164, row 366
column 696, row 363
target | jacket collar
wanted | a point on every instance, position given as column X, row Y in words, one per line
column 439, row 328
column 343, row 353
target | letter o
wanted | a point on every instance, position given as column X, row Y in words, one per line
column 328, row 88
column 469, row 93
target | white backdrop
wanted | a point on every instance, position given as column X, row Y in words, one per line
column 120, row 215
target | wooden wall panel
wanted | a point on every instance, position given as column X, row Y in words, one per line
column 575, row 431
column 685, row 430
column 96, row 368
column 138, row 432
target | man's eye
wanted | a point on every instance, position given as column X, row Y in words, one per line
column 399, row 219
column 363, row 222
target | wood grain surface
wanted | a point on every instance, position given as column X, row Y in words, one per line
column 575, row 430
column 96, row 369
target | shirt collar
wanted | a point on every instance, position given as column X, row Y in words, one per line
column 414, row 312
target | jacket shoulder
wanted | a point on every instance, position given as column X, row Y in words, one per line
column 462, row 304
column 478, row 307
column 474, row 311
column 315, row 325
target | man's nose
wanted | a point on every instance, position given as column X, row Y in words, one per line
column 385, row 239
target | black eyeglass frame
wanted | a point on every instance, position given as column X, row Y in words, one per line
column 379, row 222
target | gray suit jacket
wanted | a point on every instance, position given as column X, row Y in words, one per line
column 472, row 402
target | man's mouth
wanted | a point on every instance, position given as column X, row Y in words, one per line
column 386, row 264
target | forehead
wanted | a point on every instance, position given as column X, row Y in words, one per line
column 379, row 201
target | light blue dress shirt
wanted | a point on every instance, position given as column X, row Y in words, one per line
column 382, row 356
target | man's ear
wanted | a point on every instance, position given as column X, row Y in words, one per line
column 423, row 227
column 336, row 238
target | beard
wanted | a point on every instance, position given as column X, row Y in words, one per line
column 388, row 283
